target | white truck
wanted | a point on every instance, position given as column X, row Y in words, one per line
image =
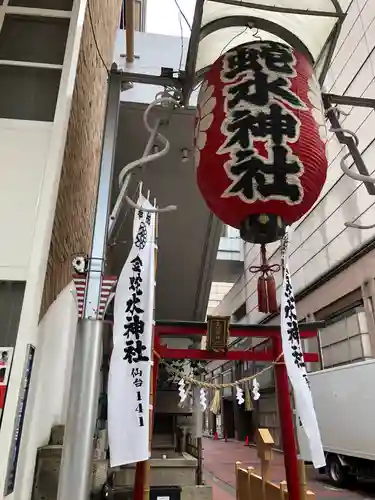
column 344, row 401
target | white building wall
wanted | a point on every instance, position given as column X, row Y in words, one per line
column 231, row 247
column 346, row 340
column 22, row 170
column 48, row 398
column 320, row 240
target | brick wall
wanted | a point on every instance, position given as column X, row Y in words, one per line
column 79, row 179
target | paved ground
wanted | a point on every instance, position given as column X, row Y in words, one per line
column 219, row 465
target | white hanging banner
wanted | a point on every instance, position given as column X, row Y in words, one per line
column 295, row 365
column 130, row 366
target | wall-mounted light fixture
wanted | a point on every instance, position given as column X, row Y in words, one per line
column 185, row 156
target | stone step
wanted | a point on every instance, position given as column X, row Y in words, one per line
column 113, row 495
column 187, row 493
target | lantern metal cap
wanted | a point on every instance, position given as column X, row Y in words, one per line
column 262, row 228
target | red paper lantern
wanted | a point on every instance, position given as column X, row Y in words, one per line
column 260, row 139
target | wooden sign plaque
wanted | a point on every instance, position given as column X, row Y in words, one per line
column 217, row 333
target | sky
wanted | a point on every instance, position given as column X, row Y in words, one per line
column 163, row 18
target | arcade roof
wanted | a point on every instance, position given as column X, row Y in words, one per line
column 311, row 26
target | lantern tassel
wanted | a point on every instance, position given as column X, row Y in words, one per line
column 215, row 405
column 271, row 293
column 262, row 295
column 267, row 300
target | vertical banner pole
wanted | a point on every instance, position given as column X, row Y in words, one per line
column 286, row 424
column 142, row 473
column 139, row 480
column 76, row 463
column 301, row 463
column 140, row 467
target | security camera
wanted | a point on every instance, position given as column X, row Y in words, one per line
column 80, row 264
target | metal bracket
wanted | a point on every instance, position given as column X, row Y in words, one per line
column 347, row 100
column 162, row 80
column 329, row 101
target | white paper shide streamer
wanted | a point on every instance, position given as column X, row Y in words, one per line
column 295, row 365
column 130, row 366
column 255, row 390
column 239, row 395
column 182, row 391
column 203, row 399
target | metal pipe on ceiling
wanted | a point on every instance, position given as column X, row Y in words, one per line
column 129, row 25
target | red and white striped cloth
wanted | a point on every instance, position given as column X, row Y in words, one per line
column 80, row 283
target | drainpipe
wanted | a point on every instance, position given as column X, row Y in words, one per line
column 313, row 345
column 129, row 24
column 368, row 295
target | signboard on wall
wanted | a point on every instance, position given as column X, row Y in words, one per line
column 6, row 355
column 18, row 425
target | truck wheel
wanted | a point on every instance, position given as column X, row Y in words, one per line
column 337, row 473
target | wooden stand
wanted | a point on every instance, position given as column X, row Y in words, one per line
column 251, row 485
column 302, row 479
column 264, row 444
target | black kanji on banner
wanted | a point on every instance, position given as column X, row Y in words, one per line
column 137, row 375
column 134, row 328
column 259, row 105
column 292, row 327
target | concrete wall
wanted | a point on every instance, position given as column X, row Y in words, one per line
column 231, row 246
column 48, row 397
column 22, row 171
column 346, row 340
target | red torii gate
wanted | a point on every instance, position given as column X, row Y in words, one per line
column 165, row 329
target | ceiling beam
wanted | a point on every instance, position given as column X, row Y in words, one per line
column 282, row 10
column 192, row 54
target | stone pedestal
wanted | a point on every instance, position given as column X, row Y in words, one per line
column 176, row 469
column 179, row 470
column 47, row 473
